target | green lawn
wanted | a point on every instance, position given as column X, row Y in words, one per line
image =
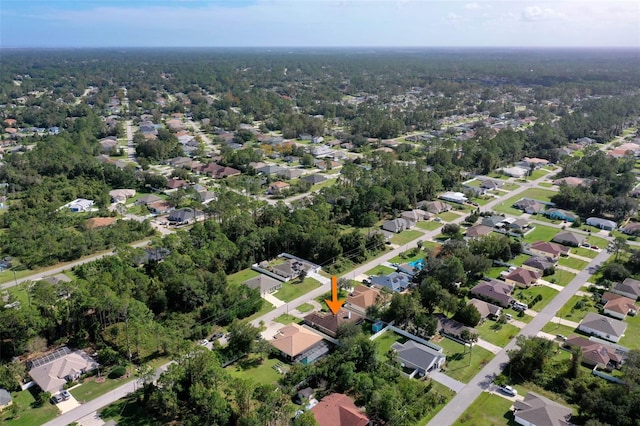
column 448, row 216
column 487, row 410
column 519, row 259
column 286, row 319
column 535, row 193
column 584, row 252
column 560, row 277
column 475, row 183
column 407, row 256
column 541, row 233
column 631, row 338
column 482, row 200
column 293, row 289
column 600, row 242
column 494, row 271
column 28, row 416
column 573, row 263
column 90, row 389
column 266, row 308
column 546, row 184
column 571, row 313
column 554, row 328
column 242, row 276
column 497, row 337
column 380, row 270
column 251, row 368
column 457, row 365
column 305, row 307
column 430, row 225
column 406, row 236
column 527, row 295
column 537, row 174
column 506, row 207
column 510, row 186
column 385, row 341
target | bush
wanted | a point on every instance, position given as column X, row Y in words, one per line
column 117, row 372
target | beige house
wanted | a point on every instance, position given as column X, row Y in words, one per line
column 51, row 372
column 299, row 344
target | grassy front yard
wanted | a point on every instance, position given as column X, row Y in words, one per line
column 266, row 308
column 380, row 270
column 554, row 328
column 293, row 289
column 430, row 225
column 305, row 307
column 252, row 368
column 519, row 259
column 242, row 276
column 576, row 308
column 448, row 216
column 573, row 263
column 28, row 416
column 631, row 338
column 541, row 233
column 599, row 242
column 527, row 296
column 487, row 410
column 91, row 389
column 560, row 277
column 406, row 236
column 286, row 319
column 584, row 252
column 458, row 366
column 497, row 337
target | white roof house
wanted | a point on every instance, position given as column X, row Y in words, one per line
column 516, row 172
column 454, row 197
column 80, row 205
column 606, row 224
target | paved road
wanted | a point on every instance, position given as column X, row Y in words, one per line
column 483, row 379
column 131, row 151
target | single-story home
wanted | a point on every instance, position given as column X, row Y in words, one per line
column 546, row 249
column 182, row 215
column 452, row 327
column 415, row 215
column 494, row 291
column 629, row 288
column 534, row 162
column 454, row 197
column 337, row 409
column 618, row 306
column 603, row 327
column 80, row 205
column 477, row 231
column 174, row 183
column 491, row 184
column 513, row 224
column 51, row 372
column 264, row 283
column 569, row 239
column 299, row 344
column 607, row 225
column 314, row 179
column 290, row 173
column 148, row 199
column 486, row 309
column 434, row 207
column 5, row 399
column 278, row 187
column 595, row 354
column 492, row 221
column 632, row 228
column 121, row 195
column 516, row 172
column 521, row 277
column 328, row 323
column 397, row 225
column 529, row 206
column 418, row 357
column 536, row 410
column 160, row 207
column 538, row 264
column 560, row 214
column 395, row 281
column 362, row 297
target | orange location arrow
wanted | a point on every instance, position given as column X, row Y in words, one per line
column 334, row 304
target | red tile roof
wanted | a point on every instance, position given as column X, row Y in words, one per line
column 337, row 409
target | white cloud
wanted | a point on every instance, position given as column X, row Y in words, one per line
column 472, row 6
column 536, row 13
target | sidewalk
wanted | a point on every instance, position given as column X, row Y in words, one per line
column 565, row 322
column 273, row 300
column 548, row 284
column 447, row 381
column 488, row 346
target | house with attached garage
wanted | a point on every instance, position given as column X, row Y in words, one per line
column 397, row 225
column 607, row 225
column 328, row 323
column 363, row 297
column 559, row 214
column 80, row 205
column 595, row 354
column 569, row 239
column 418, row 357
column 618, row 306
column 536, row 410
column 629, row 288
column 538, row 264
column 546, row 249
column 495, row 291
column 337, row 409
column 523, row 278
column 395, row 281
column 477, row 231
column 434, row 207
column 53, row 371
column 486, row 309
column 264, row 283
column 632, row 228
column 299, row 344
column 182, row 215
column 604, row 327
column 454, row 197
column 529, row 206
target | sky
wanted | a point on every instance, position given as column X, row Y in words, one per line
column 319, row 23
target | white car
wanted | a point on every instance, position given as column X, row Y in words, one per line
column 508, row 390
column 204, row 342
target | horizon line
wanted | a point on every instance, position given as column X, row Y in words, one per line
column 618, row 47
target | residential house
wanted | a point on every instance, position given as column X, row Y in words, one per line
column 328, row 323
column 264, row 283
column 121, row 195
column 493, row 221
column 306, row 397
column 337, row 409
column 321, row 151
column 454, row 197
column 618, row 306
column 174, row 183
column 538, row 264
column 153, row 254
column 269, row 169
column 491, row 184
column 631, row 228
column 418, row 357
column 206, row 196
column 529, row 206
column 314, row 179
column 80, row 205
column 397, row 225
column 219, row 172
column 521, row 277
column 395, row 281
column 363, row 297
column 5, row 399
column 516, row 172
column 546, row 249
column 595, row 354
column 290, row 173
column 148, row 199
column 560, row 214
column 290, row 268
column 629, row 288
column 181, row 216
column 477, row 231
column 415, row 215
column 278, row 187
column 434, row 207
column 569, row 239
column 452, row 327
column 486, row 309
column 534, row 162
column 607, row 225
column 160, row 207
column 108, row 144
column 536, row 410
column 495, row 291
column 603, row 327
column 299, row 344
column 53, row 371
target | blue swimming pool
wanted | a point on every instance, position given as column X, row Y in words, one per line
column 417, row 264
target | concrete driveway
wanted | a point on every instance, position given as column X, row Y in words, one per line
column 68, row 405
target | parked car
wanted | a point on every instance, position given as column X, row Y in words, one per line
column 56, row 398
column 508, row 390
column 204, row 342
column 216, row 336
column 65, row 394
